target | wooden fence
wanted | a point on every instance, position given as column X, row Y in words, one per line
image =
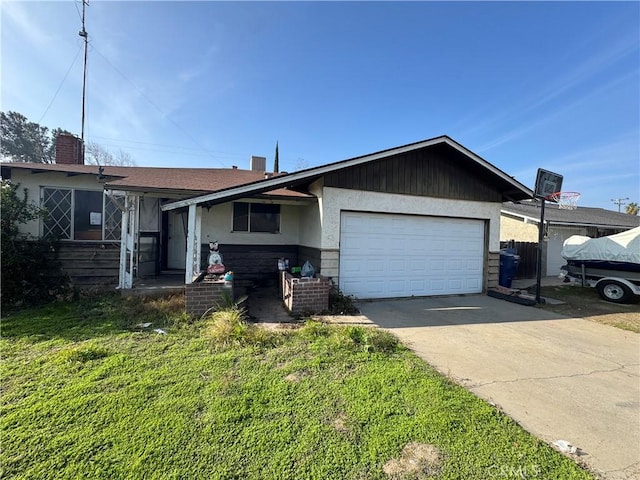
column 528, row 254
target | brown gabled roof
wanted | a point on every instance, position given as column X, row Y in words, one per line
column 509, row 186
column 189, row 181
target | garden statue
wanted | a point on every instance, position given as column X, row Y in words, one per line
column 215, row 260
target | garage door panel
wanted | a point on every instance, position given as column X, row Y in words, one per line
column 474, row 265
column 351, row 267
column 417, row 286
column 474, row 284
column 388, row 255
column 397, row 265
column 436, row 265
column 437, row 286
column 397, row 287
column 455, row 266
column 418, row 265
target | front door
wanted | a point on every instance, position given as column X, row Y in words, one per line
column 177, row 240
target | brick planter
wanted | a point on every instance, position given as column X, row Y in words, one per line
column 305, row 295
column 201, row 296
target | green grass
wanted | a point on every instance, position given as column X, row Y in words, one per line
column 85, row 395
column 586, row 303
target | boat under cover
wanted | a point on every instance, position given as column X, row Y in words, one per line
column 605, row 256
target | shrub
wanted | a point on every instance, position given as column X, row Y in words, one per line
column 340, row 304
column 30, row 273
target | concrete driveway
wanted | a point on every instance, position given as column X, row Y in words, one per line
column 560, row 378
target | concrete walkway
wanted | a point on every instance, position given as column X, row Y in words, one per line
column 560, row 378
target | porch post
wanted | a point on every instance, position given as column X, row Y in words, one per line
column 122, row 281
column 128, row 241
column 194, row 244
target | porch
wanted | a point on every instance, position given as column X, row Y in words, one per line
column 165, row 283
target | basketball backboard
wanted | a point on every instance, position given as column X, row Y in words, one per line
column 547, row 183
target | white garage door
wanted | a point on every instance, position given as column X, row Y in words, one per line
column 385, row 255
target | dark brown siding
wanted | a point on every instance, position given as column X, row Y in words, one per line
column 253, row 264
column 91, row 264
column 311, row 254
column 430, row 172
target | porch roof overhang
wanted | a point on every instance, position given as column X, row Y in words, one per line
column 510, row 187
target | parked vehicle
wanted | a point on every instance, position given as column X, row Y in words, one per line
column 609, row 264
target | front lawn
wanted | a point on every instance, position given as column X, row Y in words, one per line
column 584, row 302
column 86, row 394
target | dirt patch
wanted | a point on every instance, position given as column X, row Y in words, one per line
column 417, row 461
column 586, row 303
column 340, row 423
column 295, row 377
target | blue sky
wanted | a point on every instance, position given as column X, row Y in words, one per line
column 549, row 85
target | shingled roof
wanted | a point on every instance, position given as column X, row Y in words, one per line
column 189, row 181
column 581, row 216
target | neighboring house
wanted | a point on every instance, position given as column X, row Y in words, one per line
column 519, row 222
column 419, row 219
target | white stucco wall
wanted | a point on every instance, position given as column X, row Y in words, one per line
column 311, row 219
column 334, row 200
column 33, row 182
column 217, row 224
column 516, row 229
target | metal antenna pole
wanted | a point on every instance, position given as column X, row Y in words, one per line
column 539, row 257
column 619, row 202
column 83, row 34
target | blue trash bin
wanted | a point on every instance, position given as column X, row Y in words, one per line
column 508, row 267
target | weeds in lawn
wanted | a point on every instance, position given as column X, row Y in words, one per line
column 227, row 328
column 353, row 338
column 81, row 353
column 90, row 398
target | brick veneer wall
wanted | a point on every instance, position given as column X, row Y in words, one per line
column 201, row 296
column 305, row 295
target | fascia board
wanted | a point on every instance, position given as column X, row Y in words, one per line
column 278, row 182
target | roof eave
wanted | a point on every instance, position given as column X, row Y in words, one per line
column 290, row 179
column 548, row 221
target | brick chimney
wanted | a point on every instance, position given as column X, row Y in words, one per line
column 69, row 150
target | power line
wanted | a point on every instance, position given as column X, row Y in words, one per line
column 173, row 147
column 192, row 153
column 619, row 202
column 55, row 95
column 142, row 94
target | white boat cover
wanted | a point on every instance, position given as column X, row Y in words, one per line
column 621, row 247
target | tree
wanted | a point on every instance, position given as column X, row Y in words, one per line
column 25, row 141
column 632, row 208
column 96, row 154
column 276, row 161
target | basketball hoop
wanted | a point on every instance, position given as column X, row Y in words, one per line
column 565, row 200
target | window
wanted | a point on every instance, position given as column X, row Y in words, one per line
column 57, row 223
column 87, row 215
column 80, row 215
column 113, row 217
column 256, row 217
